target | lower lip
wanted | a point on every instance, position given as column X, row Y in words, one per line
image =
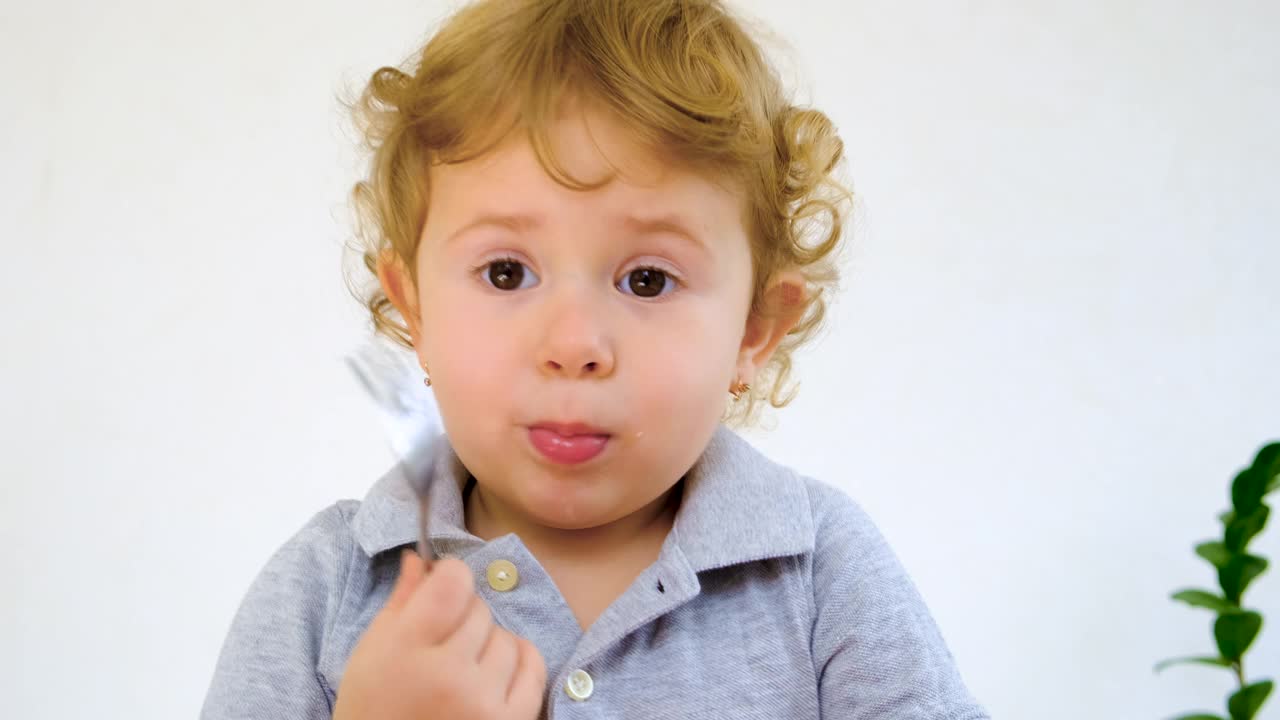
column 567, row 449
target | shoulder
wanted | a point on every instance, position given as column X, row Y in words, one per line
column 331, row 524
column 855, row 570
column 873, row 635
column 305, row 576
column 328, row 528
column 300, row 589
column 844, row 532
column 280, row 628
column 832, row 507
column 326, row 541
column 856, row 585
column 740, row 505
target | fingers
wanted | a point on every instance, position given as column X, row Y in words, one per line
column 474, row 632
column 500, row 658
column 408, row 580
column 530, row 677
column 441, row 601
column 441, row 607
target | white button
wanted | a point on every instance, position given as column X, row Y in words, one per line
column 502, row 575
column 579, row 686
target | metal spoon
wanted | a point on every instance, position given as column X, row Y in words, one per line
column 411, row 422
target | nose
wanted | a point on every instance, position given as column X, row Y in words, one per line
column 576, row 342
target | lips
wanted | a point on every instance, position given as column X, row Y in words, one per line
column 568, row 443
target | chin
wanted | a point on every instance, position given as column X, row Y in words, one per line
column 566, row 506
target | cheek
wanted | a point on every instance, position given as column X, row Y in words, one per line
column 685, row 371
column 675, row 402
column 471, row 362
column 466, row 340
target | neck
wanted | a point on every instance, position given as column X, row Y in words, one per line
column 488, row 517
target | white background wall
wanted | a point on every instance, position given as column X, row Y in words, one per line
column 1060, row 336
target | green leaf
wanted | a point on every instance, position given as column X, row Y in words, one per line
column 1216, row 661
column 1243, row 528
column 1200, row 716
column 1227, row 517
column 1267, row 465
column 1244, row 704
column 1206, row 599
column 1236, row 632
column 1215, row 552
column 1247, row 490
column 1239, row 571
column 1268, row 457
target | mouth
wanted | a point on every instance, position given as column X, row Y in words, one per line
column 568, row 443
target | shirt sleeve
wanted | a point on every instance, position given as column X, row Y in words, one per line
column 268, row 664
column 877, row 650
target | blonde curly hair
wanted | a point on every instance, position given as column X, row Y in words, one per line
column 684, row 75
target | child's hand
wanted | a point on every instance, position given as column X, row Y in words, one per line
column 434, row 652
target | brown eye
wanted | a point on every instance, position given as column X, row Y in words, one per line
column 646, row 282
column 506, row 274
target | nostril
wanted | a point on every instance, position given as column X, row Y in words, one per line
column 590, row 367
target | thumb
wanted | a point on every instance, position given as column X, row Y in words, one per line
column 411, row 572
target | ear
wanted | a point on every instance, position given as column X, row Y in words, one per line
column 783, row 306
column 397, row 284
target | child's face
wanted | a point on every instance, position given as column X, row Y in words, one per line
column 581, row 346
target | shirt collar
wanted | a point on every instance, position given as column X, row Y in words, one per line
column 737, row 506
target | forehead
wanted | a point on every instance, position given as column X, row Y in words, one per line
column 594, row 148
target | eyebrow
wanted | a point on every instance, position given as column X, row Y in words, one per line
column 670, row 223
column 515, row 222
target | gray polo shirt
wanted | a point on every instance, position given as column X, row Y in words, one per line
column 774, row 596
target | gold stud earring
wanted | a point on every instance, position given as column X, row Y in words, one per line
column 738, row 389
column 426, row 375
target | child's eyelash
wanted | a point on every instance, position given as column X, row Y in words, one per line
column 476, row 270
column 672, row 275
column 656, row 268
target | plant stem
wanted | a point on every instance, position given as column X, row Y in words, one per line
column 1238, row 666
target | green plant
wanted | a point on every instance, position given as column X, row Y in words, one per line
column 1235, row 626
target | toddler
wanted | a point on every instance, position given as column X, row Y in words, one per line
column 603, row 230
